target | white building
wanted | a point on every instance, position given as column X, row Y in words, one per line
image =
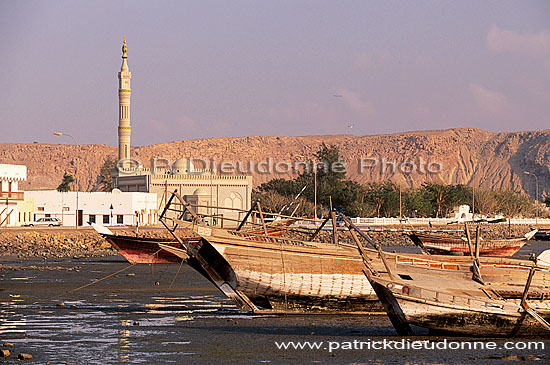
column 15, row 207
column 115, row 208
column 462, row 213
column 202, row 187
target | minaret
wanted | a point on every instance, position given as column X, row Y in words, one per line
column 124, row 93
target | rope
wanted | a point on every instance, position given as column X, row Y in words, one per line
column 175, row 276
column 161, row 274
column 89, row 284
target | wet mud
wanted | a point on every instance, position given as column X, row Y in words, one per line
column 170, row 314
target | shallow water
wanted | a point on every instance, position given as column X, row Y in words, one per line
column 129, row 318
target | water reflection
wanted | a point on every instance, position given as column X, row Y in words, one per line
column 10, row 321
column 123, row 326
column 124, row 343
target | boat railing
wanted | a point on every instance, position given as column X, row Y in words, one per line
column 415, row 261
column 227, row 217
column 439, row 296
column 272, row 239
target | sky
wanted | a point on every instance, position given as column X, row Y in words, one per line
column 206, row 68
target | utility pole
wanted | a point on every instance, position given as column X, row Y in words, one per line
column 400, row 206
column 536, row 195
column 75, row 177
column 473, row 202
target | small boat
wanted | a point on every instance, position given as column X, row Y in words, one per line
column 140, row 250
column 542, row 235
column 444, row 244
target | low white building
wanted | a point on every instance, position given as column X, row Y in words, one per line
column 15, row 207
column 462, row 213
column 115, row 208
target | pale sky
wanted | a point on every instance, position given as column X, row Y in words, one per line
column 238, row 68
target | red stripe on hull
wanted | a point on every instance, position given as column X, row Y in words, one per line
column 143, row 251
column 497, row 252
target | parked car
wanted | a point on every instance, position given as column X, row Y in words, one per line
column 48, row 221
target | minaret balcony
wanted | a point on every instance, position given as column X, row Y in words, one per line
column 12, row 195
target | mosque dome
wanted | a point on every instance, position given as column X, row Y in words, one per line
column 182, row 166
column 202, row 191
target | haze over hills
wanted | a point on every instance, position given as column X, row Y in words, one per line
column 456, row 156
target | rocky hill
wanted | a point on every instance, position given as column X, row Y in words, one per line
column 467, row 156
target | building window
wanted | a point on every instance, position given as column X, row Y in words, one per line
column 105, row 218
column 66, row 209
column 47, row 215
column 120, row 219
column 91, row 218
column 40, row 209
column 19, row 216
column 234, row 200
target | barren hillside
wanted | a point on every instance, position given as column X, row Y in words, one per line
column 468, row 156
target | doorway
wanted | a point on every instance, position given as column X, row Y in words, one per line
column 79, row 218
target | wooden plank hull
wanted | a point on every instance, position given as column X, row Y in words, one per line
column 449, row 245
column 138, row 250
column 474, row 320
column 298, row 276
column 447, row 302
column 287, row 277
column 299, row 279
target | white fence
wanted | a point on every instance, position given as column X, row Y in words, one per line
column 436, row 221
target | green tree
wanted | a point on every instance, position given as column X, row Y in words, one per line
column 105, row 180
column 65, row 183
column 281, row 186
column 332, row 184
column 328, row 171
column 383, row 197
column 417, row 203
column 329, row 160
column 274, row 202
column 513, row 204
column 445, row 197
column 485, row 202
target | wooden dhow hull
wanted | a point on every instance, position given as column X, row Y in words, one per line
column 453, row 312
column 138, row 250
column 451, row 245
column 289, row 278
column 300, row 276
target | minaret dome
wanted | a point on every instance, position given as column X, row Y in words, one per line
column 124, row 48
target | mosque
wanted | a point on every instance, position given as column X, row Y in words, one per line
column 202, row 187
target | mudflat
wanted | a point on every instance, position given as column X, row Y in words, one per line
column 57, row 310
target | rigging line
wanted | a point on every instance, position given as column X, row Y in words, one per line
column 161, row 273
column 153, row 261
column 89, row 284
column 175, row 276
column 284, row 273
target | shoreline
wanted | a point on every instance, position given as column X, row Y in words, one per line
column 68, row 242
